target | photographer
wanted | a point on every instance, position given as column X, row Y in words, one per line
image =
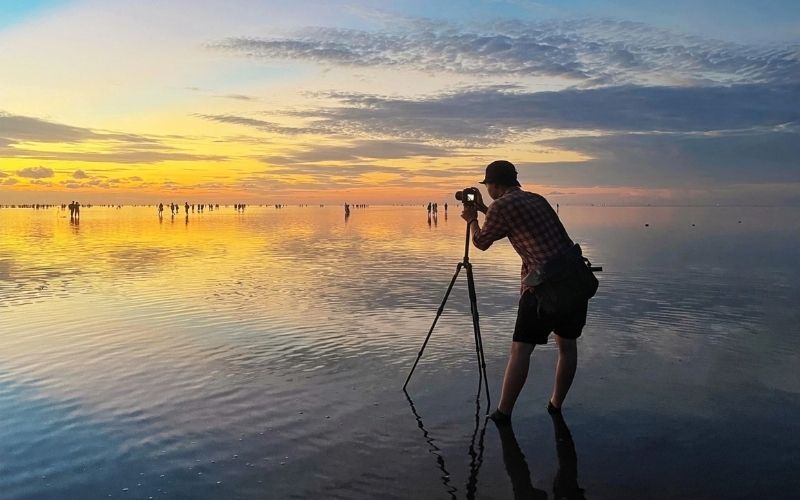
column 537, row 235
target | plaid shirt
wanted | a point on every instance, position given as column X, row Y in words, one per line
column 531, row 225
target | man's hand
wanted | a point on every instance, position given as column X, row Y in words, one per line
column 479, row 204
column 469, row 213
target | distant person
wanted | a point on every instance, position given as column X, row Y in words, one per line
column 186, row 207
column 537, row 235
column 160, row 209
column 72, row 210
column 445, row 208
column 430, row 207
column 77, row 209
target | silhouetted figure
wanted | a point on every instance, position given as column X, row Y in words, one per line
column 77, row 210
column 72, row 210
column 186, row 207
column 346, row 210
column 445, row 209
column 161, row 210
column 556, row 207
column 430, row 207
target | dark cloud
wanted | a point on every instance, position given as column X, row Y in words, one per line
column 36, row 172
column 263, row 125
column 16, row 131
column 79, row 174
column 490, row 115
column 15, row 128
column 360, row 150
column 10, row 181
column 592, row 52
column 673, row 160
column 3, row 174
column 119, row 156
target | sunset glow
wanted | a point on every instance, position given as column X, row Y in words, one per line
column 128, row 102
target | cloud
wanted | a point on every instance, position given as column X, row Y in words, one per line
column 79, row 174
column 10, row 181
column 3, row 174
column 15, row 128
column 238, row 97
column 360, row 150
column 589, row 52
column 262, row 125
column 486, row 116
column 36, row 172
column 119, row 156
column 632, row 135
column 673, row 160
column 16, row 132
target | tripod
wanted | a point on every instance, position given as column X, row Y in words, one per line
column 473, row 305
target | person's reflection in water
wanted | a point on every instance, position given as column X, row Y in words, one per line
column 516, row 466
column 565, row 484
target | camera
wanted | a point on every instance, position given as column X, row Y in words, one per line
column 468, row 196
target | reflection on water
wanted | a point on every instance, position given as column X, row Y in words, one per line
column 261, row 354
column 565, row 483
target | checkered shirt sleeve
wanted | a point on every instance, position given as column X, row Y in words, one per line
column 531, row 225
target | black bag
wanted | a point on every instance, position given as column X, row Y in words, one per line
column 563, row 283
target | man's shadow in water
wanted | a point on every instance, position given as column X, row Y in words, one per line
column 565, row 484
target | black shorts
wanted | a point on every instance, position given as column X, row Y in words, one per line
column 532, row 329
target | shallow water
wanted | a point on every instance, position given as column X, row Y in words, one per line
column 261, row 355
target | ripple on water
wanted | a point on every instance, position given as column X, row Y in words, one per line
column 233, row 355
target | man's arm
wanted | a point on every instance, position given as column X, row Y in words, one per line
column 494, row 228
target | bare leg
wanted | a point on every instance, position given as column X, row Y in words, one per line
column 516, row 372
column 565, row 369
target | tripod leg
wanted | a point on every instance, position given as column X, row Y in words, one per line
column 438, row 313
column 473, row 304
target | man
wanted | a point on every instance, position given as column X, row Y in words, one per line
column 538, row 236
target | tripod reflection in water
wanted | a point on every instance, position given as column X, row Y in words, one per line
column 565, row 484
column 475, row 452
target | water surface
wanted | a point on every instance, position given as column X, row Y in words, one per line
column 261, row 355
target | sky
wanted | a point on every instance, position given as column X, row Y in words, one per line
column 399, row 101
